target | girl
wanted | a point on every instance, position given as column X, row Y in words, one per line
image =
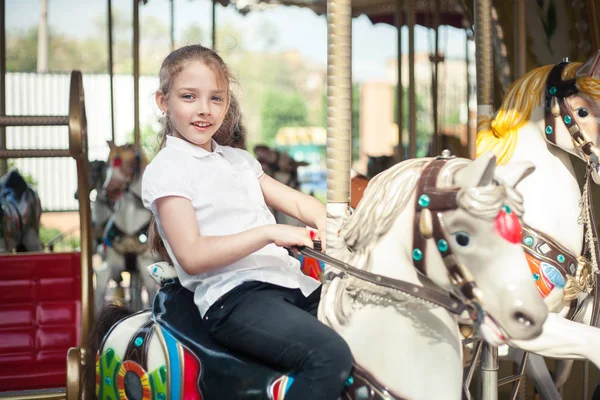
column 210, row 202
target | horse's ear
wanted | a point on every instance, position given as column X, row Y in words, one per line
column 514, row 173
column 111, row 144
column 301, row 164
column 479, row 173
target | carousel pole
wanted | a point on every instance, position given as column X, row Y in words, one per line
column 520, row 39
column 437, row 138
column 136, row 72
column 471, row 133
column 485, row 107
column 3, row 161
column 412, row 98
column 214, row 25
column 111, row 71
column 399, row 88
column 339, row 112
column 172, row 12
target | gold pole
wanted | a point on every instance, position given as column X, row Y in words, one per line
column 136, row 72
column 520, row 38
column 111, row 71
column 412, row 100
column 437, row 138
column 471, row 133
column 172, row 25
column 399, row 88
column 339, row 100
column 214, row 25
column 484, row 57
column 4, row 161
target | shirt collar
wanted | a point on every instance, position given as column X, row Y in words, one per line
column 196, row 151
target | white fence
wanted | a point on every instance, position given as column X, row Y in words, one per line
column 48, row 94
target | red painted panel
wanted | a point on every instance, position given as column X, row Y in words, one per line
column 17, row 340
column 17, row 315
column 56, row 312
column 40, row 299
column 13, row 291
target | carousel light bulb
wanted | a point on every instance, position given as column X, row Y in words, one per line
column 143, row 238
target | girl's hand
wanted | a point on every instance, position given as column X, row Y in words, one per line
column 290, row 236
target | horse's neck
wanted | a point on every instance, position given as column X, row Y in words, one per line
column 551, row 192
column 130, row 215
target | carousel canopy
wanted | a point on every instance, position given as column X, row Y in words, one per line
column 378, row 11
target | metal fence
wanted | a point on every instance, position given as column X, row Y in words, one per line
column 48, row 94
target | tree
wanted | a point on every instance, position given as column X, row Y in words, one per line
column 281, row 110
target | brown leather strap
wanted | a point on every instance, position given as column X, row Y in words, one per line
column 438, row 298
column 364, row 386
column 429, row 196
column 545, row 248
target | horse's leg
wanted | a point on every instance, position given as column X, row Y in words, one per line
column 564, row 339
column 563, row 371
column 102, row 277
column 31, row 240
column 538, row 371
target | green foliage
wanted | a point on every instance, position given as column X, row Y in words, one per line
column 281, row 110
column 148, row 140
column 61, row 241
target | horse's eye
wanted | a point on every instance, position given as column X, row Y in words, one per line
column 463, row 239
column 583, row 112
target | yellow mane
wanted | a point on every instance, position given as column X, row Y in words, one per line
column 499, row 134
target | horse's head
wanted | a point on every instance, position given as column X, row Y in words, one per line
column 563, row 103
column 279, row 165
column 126, row 163
column 466, row 236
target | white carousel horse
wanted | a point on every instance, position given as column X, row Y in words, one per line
column 541, row 120
column 401, row 344
column 399, row 324
column 125, row 235
column 20, row 211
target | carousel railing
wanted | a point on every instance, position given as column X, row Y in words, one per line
column 78, row 150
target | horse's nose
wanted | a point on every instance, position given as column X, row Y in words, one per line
column 523, row 319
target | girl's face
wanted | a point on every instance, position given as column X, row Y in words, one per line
column 196, row 104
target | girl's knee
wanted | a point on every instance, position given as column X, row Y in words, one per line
column 340, row 355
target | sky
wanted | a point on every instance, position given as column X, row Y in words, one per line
column 298, row 28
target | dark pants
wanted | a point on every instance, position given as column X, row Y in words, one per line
column 279, row 326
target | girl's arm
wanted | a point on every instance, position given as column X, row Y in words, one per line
column 294, row 203
column 198, row 254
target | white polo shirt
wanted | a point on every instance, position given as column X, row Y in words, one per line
column 227, row 199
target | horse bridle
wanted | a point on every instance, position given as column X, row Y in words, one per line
column 556, row 94
column 430, row 204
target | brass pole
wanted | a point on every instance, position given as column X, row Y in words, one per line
column 471, row 133
column 111, row 71
column 399, row 88
column 214, row 25
column 484, row 57
column 136, row 72
column 520, row 39
column 4, row 161
column 594, row 11
column 437, row 138
column 339, row 100
column 172, row 25
column 412, row 101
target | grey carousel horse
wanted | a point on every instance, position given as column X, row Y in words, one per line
column 125, row 233
column 20, row 211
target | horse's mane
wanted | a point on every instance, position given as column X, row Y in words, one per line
column 500, row 133
column 386, row 196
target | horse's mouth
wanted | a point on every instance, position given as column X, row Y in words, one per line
column 492, row 332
